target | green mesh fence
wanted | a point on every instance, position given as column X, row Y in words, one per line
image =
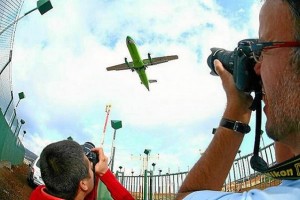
column 11, row 149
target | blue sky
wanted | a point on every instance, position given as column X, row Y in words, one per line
column 60, row 62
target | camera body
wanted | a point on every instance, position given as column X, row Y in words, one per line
column 92, row 156
column 240, row 63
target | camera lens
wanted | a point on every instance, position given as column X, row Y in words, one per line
column 92, row 156
column 225, row 57
column 87, row 147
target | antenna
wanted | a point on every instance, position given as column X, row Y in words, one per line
column 107, row 110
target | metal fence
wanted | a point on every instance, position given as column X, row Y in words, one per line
column 9, row 12
column 164, row 187
column 242, row 177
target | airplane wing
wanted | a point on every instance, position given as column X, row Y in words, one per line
column 158, row 60
column 120, row 67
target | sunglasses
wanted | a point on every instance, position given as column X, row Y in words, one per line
column 258, row 47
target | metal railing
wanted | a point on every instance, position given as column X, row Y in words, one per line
column 164, row 187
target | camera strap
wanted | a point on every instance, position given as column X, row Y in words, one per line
column 289, row 170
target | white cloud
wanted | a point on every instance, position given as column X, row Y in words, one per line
column 60, row 60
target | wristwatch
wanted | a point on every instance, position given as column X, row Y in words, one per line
column 235, row 125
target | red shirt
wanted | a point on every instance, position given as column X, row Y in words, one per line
column 117, row 191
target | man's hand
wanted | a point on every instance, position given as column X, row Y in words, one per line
column 102, row 166
column 238, row 102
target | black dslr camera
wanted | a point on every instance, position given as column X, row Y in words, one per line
column 92, row 156
column 240, row 63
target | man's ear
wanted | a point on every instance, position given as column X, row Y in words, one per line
column 83, row 185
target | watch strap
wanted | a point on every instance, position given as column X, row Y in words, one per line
column 235, row 125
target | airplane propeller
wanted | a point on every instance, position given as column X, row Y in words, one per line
column 150, row 59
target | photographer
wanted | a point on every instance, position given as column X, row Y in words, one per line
column 279, row 70
column 68, row 172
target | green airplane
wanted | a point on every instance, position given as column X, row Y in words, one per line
column 139, row 65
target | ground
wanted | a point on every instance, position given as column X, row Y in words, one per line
column 13, row 183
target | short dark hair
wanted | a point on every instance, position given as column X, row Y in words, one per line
column 62, row 167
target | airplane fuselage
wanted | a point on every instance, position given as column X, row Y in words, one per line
column 138, row 64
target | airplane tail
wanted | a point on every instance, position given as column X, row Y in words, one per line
column 152, row 81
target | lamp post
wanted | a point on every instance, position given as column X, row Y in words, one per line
column 24, row 132
column 159, row 171
column 21, row 96
column 243, row 164
column 151, row 180
column 12, row 118
column 153, row 166
column 234, row 176
column 159, row 185
column 122, row 175
column 132, row 181
column 22, row 122
column 147, row 152
column 115, row 124
column 239, row 168
column 42, row 5
column 262, row 138
column 11, row 94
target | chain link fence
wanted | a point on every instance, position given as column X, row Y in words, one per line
column 11, row 149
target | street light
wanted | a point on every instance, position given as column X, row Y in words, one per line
column 115, row 124
column 122, row 174
column 153, row 165
column 12, row 118
column 244, row 176
column 262, row 138
column 147, row 152
column 159, row 171
column 42, row 5
column 22, row 122
column 24, row 132
column 21, row 96
column 11, row 94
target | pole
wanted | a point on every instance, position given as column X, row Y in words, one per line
column 234, row 176
column 113, row 151
column 11, row 93
column 151, row 183
column 19, row 130
column 244, row 173
column 243, row 168
column 12, row 118
column 107, row 110
column 17, row 20
column 145, row 184
column 240, row 175
column 262, row 138
column 9, row 60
